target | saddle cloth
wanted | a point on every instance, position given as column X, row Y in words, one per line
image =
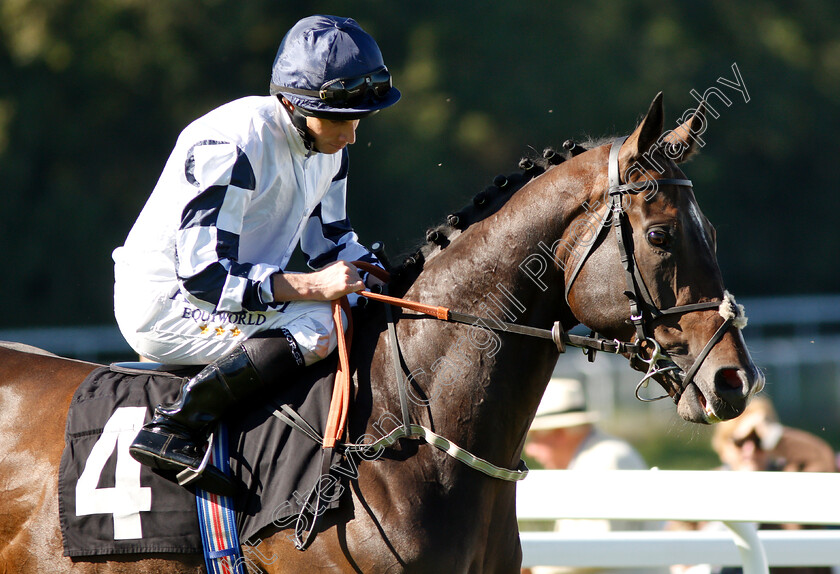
column 110, row 504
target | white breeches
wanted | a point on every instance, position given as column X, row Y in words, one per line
column 176, row 332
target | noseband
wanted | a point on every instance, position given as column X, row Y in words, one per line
column 643, row 310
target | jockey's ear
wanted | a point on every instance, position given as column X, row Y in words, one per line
column 644, row 138
column 680, row 143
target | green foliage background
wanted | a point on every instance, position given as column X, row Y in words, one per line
column 94, row 92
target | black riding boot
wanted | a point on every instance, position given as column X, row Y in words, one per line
column 176, row 437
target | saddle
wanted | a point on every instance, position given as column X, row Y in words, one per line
column 110, row 504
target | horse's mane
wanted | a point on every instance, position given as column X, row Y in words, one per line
column 484, row 204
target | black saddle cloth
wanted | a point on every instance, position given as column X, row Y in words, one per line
column 276, row 466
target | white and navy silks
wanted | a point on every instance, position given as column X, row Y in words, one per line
column 237, row 195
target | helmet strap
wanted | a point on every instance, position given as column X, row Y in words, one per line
column 299, row 123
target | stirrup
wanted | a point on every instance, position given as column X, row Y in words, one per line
column 190, row 474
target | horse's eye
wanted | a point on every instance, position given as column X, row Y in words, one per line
column 658, row 238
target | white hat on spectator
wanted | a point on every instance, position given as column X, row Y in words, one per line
column 563, row 405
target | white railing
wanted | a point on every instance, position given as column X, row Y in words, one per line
column 737, row 499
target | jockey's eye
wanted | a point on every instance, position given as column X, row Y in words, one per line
column 659, row 237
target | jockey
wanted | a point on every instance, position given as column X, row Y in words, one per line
column 200, row 279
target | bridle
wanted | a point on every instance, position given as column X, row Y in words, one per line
column 643, row 310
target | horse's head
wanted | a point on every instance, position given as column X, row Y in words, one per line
column 663, row 286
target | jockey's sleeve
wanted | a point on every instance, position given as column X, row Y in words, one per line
column 207, row 240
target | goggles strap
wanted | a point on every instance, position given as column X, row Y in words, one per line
column 275, row 89
column 324, row 93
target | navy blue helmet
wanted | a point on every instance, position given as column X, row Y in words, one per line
column 329, row 67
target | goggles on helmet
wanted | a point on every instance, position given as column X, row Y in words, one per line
column 346, row 90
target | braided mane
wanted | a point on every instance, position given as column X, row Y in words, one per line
column 484, row 204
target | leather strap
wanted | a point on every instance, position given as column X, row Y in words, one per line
column 374, row 270
column 400, row 375
column 603, row 230
column 612, row 167
column 292, row 418
column 339, row 405
column 441, row 313
column 680, row 309
column 276, row 89
column 698, row 361
column 556, row 333
column 447, row 446
column 628, row 262
column 340, row 402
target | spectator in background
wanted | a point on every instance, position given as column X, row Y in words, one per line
column 563, row 436
column 757, row 441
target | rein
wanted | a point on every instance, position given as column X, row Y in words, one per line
column 556, row 334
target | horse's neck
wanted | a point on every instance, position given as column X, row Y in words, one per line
column 520, row 250
column 486, row 272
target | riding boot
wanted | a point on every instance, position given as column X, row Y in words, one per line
column 176, row 437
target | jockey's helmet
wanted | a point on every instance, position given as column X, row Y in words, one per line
column 328, row 67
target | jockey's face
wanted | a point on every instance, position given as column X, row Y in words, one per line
column 332, row 136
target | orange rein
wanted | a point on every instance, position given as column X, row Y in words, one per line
column 337, row 417
column 339, row 405
column 441, row 313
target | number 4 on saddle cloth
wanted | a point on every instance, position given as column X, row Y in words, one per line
column 111, row 504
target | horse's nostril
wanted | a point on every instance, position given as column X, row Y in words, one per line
column 729, row 377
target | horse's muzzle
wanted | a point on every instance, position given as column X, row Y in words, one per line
column 724, row 398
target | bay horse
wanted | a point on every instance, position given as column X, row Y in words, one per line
column 590, row 240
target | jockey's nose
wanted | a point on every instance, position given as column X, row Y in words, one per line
column 348, row 132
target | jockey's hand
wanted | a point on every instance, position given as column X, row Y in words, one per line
column 331, row 282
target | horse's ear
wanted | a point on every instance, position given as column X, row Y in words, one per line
column 684, row 140
column 646, row 134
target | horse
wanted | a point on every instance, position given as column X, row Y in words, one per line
column 611, row 238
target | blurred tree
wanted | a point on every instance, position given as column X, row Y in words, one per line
column 94, row 92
